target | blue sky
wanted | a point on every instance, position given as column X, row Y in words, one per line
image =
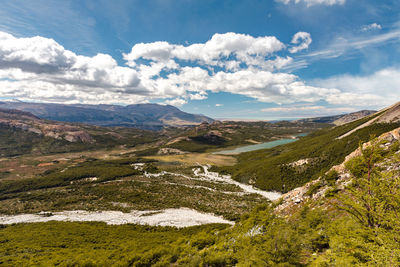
column 252, row 59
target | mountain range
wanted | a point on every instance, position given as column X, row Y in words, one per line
column 144, row 116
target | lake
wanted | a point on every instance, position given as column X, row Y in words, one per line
column 265, row 145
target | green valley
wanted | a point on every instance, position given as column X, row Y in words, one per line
column 159, row 203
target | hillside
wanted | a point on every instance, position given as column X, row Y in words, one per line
column 286, row 167
column 387, row 115
column 145, row 116
column 24, row 133
column 353, row 116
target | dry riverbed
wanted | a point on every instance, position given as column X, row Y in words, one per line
column 182, row 217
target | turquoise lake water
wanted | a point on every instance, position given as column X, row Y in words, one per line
column 265, row 145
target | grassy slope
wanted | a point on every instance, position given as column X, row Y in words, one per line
column 270, row 170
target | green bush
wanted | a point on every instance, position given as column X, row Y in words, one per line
column 313, row 188
column 331, row 177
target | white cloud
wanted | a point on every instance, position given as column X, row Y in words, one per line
column 157, row 51
column 314, row 2
column 40, row 69
column 51, row 62
column 198, row 96
column 219, row 105
column 262, row 85
column 242, row 47
column 36, row 54
column 176, row 102
column 303, row 39
column 370, row 27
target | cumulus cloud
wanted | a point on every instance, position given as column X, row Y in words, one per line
column 40, row 69
column 370, row 27
column 303, row 39
column 230, row 62
column 176, row 102
column 219, row 105
column 198, row 96
column 314, row 2
column 242, row 48
column 36, row 54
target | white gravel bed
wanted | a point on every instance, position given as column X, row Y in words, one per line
column 182, row 217
column 214, row 176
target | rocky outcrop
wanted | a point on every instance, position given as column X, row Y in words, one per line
column 299, row 162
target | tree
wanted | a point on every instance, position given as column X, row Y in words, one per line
column 373, row 199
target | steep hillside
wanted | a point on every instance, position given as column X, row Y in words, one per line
column 145, row 116
column 386, row 146
column 289, row 166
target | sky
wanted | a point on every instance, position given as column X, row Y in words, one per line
column 232, row 59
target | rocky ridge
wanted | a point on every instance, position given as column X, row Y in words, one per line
column 387, row 115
